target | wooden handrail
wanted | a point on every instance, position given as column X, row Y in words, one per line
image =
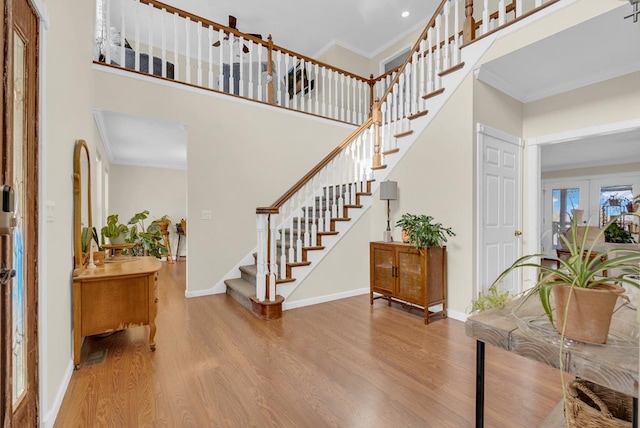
column 274, row 208
column 206, row 23
column 415, row 48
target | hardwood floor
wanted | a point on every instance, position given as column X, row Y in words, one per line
column 337, row 364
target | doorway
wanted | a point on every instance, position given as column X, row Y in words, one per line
column 19, row 305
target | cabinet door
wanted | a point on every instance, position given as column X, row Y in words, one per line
column 411, row 279
column 382, row 269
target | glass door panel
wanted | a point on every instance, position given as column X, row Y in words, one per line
column 562, row 201
column 18, row 293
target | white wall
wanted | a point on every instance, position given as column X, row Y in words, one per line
column 68, row 117
column 233, row 167
column 159, row 190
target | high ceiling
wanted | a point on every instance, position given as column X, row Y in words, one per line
column 306, row 27
column 596, row 50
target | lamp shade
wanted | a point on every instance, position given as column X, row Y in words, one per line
column 388, row 190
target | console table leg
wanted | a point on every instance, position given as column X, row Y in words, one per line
column 635, row 412
column 479, row 384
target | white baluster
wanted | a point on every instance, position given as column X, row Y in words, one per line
column 446, row 63
column 341, row 183
column 307, row 216
column 176, row 62
column 485, row 17
column 136, row 55
column 150, row 46
column 309, row 69
column 518, row 8
column 315, row 215
column 438, row 64
column 538, row 3
column 456, row 35
column 502, row 13
column 422, row 66
column 299, row 229
column 261, row 259
column 282, row 242
column 240, row 65
column 272, row 258
column 292, row 254
column 210, row 75
column 187, row 55
column 342, row 91
column 327, row 201
column 123, row 12
column 287, row 84
column 348, row 105
column 260, row 94
column 199, row 35
column 329, row 91
column 232, row 77
column 317, row 106
column 107, row 15
column 430, row 71
column 336, row 110
column 279, row 75
column 164, row 43
column 251, row 47
column 220, row 53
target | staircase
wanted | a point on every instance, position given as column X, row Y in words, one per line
column 243, row 289
column 300, row 228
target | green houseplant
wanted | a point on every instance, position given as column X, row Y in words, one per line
column 574, row 280
column 148, row 240
column 114, row 230
column 423, row 232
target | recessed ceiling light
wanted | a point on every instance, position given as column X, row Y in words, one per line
column 405, row 14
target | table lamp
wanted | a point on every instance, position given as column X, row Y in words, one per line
column 388, row 192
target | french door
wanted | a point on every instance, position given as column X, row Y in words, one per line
column 18, row 306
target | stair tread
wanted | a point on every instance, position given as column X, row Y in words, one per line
column 241, row 286
column 419, row 114
column 403, row 134
column 451, row 69
column 433, row 94
column 329, row 232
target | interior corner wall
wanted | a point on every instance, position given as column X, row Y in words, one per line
column 241, row 155
column 68, row 116
column 161, row 191
column 346, row 59
column 437, row 177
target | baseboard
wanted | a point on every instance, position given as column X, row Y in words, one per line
column 460, row 316
column 49, row 420
column 323, row 299
column 207, row 292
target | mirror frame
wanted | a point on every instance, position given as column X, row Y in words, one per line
column 78, row 264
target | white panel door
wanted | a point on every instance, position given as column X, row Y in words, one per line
column 499, row 207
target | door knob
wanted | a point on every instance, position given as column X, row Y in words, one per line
column 517, row 233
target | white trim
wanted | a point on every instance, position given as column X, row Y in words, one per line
column 41, row 10
column 533, row 177
column 393, row 56
column 486, row 76
column 43, row 313
column 51, row 414
column 323, row 299
column 102, row 131
column 456, row 315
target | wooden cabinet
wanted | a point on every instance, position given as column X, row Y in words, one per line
column 113, row 297
column 402, row 273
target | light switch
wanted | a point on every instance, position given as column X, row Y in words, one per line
column 51, row 208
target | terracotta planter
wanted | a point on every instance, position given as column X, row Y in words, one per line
column 589, row 313
column 405, row 237
column 98, row 258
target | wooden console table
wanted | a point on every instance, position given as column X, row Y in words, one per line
column 113, row 297
column 615, row 367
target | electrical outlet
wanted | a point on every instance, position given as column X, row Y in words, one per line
column 206, row 214
column 51, row 208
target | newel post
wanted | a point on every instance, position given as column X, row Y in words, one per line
column 270, row 70
column 372, row 83
column 469, row 27
column 376, row 116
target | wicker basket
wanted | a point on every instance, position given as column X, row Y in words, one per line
column 590, row 405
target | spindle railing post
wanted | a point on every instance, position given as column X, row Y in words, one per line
column 372, row 84
column 376, row 115
column 469, row 27
column 270, row 70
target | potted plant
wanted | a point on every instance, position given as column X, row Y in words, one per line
column 573, row 281
column 164, row 222
column 148, row 240
column 421, row 232
column 114, row 230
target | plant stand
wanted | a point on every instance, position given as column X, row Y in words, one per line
column 167, row 244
